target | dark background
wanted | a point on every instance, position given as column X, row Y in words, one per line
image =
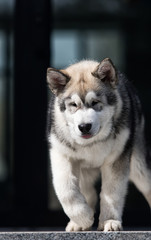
column 33, row 36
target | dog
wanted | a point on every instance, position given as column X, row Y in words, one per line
column 95, row 127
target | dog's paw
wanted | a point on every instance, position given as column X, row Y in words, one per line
column 110, row 225
column 73, row 227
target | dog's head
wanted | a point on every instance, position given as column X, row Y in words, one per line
column 86, row 95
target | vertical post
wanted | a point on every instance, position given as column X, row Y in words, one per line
column 32, row 56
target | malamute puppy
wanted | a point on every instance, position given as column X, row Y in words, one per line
column 95, row 125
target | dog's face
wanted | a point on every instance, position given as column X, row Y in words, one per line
column 86, row 96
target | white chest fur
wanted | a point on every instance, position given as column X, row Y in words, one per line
column 94, row 155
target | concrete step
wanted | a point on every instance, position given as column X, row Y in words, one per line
column 123, row 235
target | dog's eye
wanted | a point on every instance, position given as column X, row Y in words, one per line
column 94, row 103
column 73, row 104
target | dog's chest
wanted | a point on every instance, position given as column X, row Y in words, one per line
column 95, row 155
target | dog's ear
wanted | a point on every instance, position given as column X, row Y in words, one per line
column 106, row 72
column 56, row 80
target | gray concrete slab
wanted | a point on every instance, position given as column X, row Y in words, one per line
column 123, row 235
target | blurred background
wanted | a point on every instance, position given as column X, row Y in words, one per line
column 33, row 36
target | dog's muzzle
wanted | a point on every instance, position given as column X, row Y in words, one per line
column 85, row 130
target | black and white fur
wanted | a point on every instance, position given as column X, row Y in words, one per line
column 96, row 126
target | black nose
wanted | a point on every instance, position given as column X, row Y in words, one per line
column 85, row 128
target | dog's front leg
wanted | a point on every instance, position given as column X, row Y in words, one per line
column 114, row 187
column 66, row 185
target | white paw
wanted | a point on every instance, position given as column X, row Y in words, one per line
column 73, row 227
column 110, row 225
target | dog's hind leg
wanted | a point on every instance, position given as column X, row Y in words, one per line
column 140, row 174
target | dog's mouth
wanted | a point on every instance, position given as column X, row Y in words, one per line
column 87, row 136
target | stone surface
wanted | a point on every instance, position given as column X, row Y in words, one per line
column 139, row 235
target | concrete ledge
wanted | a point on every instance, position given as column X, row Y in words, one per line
column 139, row 235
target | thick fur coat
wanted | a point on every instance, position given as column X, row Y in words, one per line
column 95, row 126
